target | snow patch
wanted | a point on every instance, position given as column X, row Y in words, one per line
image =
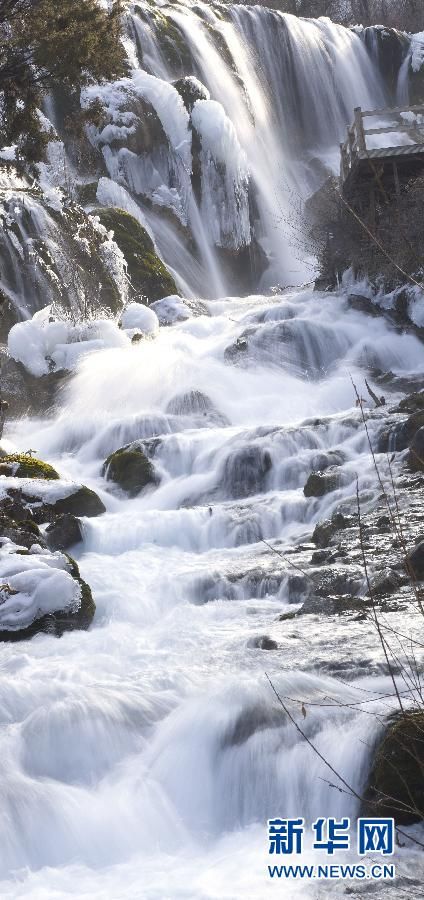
column 46, row 344
column 140, row 318
column 33, row 585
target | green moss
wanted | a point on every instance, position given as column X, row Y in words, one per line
column 396, row 785
column 87, row 193
column 21, row 465
column 147, row 272
column 83, row 502
column 131, row 469
column 172, row 42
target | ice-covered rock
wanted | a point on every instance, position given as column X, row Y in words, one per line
column 136, row 316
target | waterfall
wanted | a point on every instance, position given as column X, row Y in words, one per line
column 141, row 758
column 267, row 98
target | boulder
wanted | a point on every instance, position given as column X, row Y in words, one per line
column 396, row 784
column 34, row 582
column 416, row 451
column 148, row 275
column 63, row 532
column 196, row 403
column 414, row 561
column 363, row 305
column 262, row 642
column 191, row 89
column 245, row 472
column 321, row 483
column 131, row 469
column 23, row 465
column 22, row 532
column 326, row 530
column 24, row 393
column 400, row 435
column 413, row 403
column 22, row 505
column 82, row 502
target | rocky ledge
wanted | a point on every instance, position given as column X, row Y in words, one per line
column 41, row 589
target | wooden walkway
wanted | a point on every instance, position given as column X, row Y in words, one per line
column 362, row 167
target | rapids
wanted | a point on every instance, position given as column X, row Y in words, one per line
column 142, row 758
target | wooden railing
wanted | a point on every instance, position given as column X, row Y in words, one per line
column 355, row 146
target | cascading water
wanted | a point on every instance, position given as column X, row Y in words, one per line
column 270, row 100
column 142, row 758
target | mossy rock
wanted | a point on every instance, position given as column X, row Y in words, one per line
column 57, row 623
column 25, row 533
column 147, row 272
column 172, row 42
column 83, row 502
column 190, row 90
column 21, row 465
column 131, row 469
column 396, row 782
column 87, row 193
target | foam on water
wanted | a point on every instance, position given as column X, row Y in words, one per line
column 143, row 757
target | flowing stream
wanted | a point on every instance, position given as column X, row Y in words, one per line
column 142, row 758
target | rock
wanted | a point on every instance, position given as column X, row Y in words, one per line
column 21, row 504
column 413, row 403
column 363, row 305
column 149, row 277
column 400, row 435
column 386, row 582
column 262, row 642
column 23, row 392
column 83, row 502
column 245, row 472
column 390, row 47
column 414, row 561
column 252, row 719
column 74, row 616
column 24, row 533
column 188, row 403
column 63, row 532
column 321, row 483
column 140, row 317
column 23, row 465
column 131, row 469
column 171, row 310
column 195, row 403
column 416, row 451
column 396, row 784
column 325, row 531
column 191, row 89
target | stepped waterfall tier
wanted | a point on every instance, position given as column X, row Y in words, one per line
column 211, row 470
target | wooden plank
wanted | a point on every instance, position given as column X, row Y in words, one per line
column 406, row 127
column 393, row 110
column 384, row 152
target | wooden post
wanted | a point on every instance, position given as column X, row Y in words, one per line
column 360, row 133
column 344, row 162
column 396, row 178
column 372, row 209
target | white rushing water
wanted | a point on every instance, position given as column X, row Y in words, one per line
column 273, row 95
column 142, row 758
